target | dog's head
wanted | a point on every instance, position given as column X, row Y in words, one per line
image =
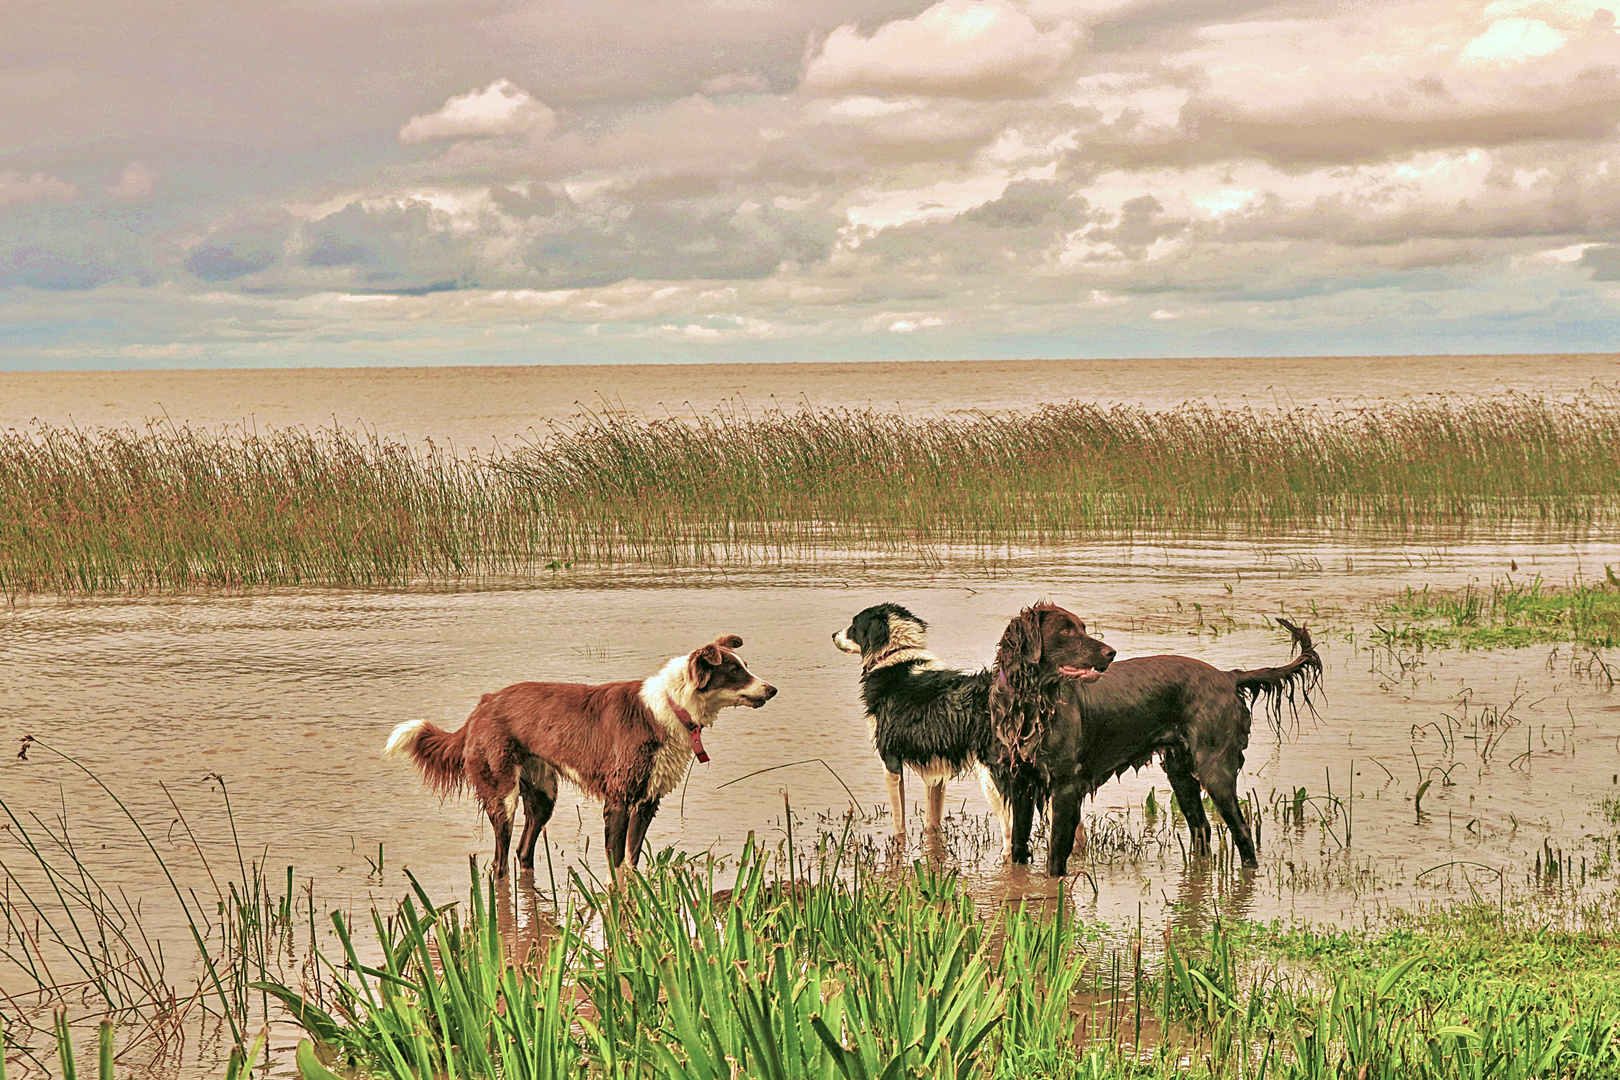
column 715, row 672
column 882, row 628
column 1052, row 639
column 1041, row 646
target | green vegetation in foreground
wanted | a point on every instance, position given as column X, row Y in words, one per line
column 167, row 508
column 822, row 968
column 1508, row 613
column 868, row 977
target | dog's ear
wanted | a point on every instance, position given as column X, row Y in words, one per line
column 728, row 641
column 701, row 664
column 871, row 630
column 1021, row 643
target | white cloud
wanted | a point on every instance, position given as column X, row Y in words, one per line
column 134, row 183
column 968, row 48
column 737, row 82
column 1570, row 254
column 15, row 187
column 1513, row 41
column 982, row 167
column 499, row 109
column 906, row 326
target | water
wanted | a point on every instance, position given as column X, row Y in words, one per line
column 289, row 696
column 477, row 406
column 284, row 698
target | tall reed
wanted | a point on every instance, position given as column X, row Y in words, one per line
column 179, row 508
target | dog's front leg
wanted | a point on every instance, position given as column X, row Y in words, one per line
column 897, row 800
column 1023, row 820
column 616, row 819
column 641, row 816
column 1065, row 820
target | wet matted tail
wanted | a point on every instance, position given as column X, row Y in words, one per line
column 1295, row 683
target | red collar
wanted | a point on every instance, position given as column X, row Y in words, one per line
column 869, row 665
column 694, row 731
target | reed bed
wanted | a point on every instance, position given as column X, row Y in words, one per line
column 168, row 507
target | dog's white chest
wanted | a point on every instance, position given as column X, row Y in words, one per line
column 669, row 764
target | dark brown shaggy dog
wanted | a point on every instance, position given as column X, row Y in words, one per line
column 1065, row 737
column 933, row 719
column 626, row 743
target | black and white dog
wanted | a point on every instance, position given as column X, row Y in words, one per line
column 936, row 720
column 923, row 715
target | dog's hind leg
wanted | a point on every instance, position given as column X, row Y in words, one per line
column 501, row 811
column 641, row 815
column 1178, row 767
column 897, row 800
column 1220, row 780
column 999, row 807
column 935, row 799
column 539, row 788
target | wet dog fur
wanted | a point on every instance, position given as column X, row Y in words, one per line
column 1195, row 716
column 931, row 718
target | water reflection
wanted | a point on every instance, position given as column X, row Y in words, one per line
column 289, row 697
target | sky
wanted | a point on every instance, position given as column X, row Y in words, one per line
column 409, row 182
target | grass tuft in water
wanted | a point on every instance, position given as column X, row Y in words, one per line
column 1506, row 613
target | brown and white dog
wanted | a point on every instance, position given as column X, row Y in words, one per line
column 625, row 743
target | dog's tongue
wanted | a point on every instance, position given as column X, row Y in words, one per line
column 1083, row 674
column 696, row 735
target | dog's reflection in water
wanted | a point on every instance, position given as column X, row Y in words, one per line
column 1206, row 892
column 527, row 921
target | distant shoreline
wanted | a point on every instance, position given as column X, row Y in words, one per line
column 481, row 406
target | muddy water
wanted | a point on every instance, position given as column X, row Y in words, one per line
column 288, row 697
column 473, row 406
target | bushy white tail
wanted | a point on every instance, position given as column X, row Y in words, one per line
column 403, row 741
column 438, row 754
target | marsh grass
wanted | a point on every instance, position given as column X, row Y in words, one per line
column 1508, row 612
column 822, row 962
column 786, row 976
column 77, row 953
column 178, row 508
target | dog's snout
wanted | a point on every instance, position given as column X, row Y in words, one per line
column 770, row 691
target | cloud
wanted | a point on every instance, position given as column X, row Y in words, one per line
column 17, row 188
column 964, row 48
column 1513, row 41
column 737, row 82
column 834, row 175
column 135, row 182
column 499, row 109
column 243, row 244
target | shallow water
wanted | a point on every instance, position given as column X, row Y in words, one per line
column 475, row 406
column 285, row 698
column 289, row 697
